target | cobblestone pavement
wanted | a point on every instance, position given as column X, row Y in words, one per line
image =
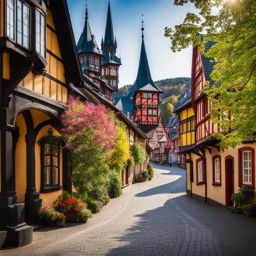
column 152, row 218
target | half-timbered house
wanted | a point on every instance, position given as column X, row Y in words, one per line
column 214, row 174
column 37, row 48
column 141, row 104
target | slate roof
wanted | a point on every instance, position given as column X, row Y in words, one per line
column 208, row 63
column 87, row 42
column 110, row 59
column 109, row 32
column 173, row 126
column 173, row 121
column 109, row 44
column 183, row 101
column 143, row 82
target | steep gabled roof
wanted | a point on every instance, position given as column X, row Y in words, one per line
column 208, row 63
column 109, row 44
column 109, row 38
column 183, row 101
column 143, row 82
column 87, row 42
column 110, row 59
column 143, row 76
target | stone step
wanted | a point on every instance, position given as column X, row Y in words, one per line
column 19, row 237
column 3, row 235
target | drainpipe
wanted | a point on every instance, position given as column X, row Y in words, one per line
column 205, row 175
column 191, row 176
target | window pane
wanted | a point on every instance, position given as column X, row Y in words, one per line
column 40, row 33
column 10, row 18
column 55, row 161
column 26, row 18
column 19, row 23
column 47, row 175
column 200, row 171
column 55, row 177
column 47, row 149
column 47, row 160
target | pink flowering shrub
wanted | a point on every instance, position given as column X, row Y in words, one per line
column 87, row 124
column 89, row 131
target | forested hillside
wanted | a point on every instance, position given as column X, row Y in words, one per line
column 169, row 86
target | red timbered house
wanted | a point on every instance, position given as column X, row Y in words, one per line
column 201, row 70
column 213, row 173
column 141, row 104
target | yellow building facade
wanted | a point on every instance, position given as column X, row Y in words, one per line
column 36, row 74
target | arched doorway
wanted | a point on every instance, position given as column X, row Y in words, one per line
column 229, row 177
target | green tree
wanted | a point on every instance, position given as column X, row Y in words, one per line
column 172, row 99
column 121, row 152
column 166, row 112
column 139, row 153
column 90, row 133
column 230, row 24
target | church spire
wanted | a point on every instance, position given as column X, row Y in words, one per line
column 143, row 75
column 109, row 38
column 87, row 42
column 142, row 27
column 86, row 11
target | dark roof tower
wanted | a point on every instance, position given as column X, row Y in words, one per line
column 109, row 33
column 109, row 44
column 87, row 42
column 144, row 80
column 110, row 62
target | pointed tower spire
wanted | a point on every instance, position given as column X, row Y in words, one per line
column 142, row 27
column 86, row 10
column 109, row 33
column 110, row 62
column 143, row 75
column 87, row 42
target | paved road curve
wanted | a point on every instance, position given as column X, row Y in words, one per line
column 153, row 218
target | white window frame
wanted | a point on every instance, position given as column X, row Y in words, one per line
column 200, row 176
column 247, row 167
column 217, row 162
column 10, row 19
column 23, row 34
column 41, row 26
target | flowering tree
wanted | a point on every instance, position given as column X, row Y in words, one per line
column 121, row 152
column 90, row 133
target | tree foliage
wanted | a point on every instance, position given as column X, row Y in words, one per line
column 89, row 132
column 121, row 152
column 138, row 153
column 230, row 24
column 166, row 112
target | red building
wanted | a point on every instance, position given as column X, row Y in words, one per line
column 141, row 104
column 201, row 70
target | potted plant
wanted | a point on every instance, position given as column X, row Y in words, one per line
column 73, row 208
column 50, row 217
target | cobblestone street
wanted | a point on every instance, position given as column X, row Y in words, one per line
column 153, row 218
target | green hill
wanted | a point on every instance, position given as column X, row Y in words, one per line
column 170, row 86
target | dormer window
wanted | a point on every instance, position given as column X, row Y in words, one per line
column 40, row 33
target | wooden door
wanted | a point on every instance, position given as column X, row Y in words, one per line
column 229, row 173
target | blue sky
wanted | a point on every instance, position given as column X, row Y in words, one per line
column 126, row 16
